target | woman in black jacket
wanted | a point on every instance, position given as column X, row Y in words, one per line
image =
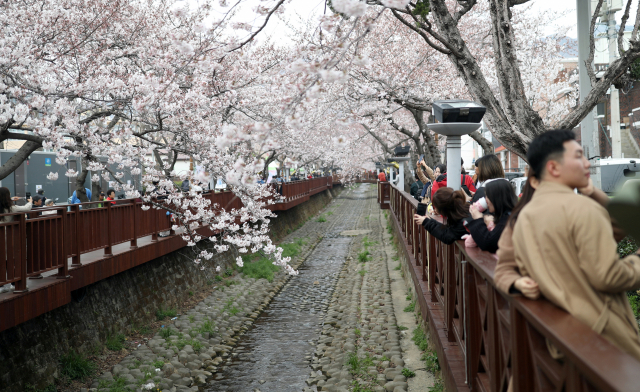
column 501, row 199
column 453, row 206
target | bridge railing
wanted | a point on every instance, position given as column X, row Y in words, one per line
column 44, row 239
column 484, row 337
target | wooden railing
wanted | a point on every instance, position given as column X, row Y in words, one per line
column 484, row 337
column 34, row 244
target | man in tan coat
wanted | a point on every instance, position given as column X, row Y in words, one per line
column 565, row 242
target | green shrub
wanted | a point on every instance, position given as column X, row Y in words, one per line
column 158, row 364
column 362, row 272
column 420, row 339
column 408, row 373
column 115, row 342
column 165, row 332
column 363, row 256
column 321, row 219
column 228, row 272
column 411, row 307
column 207, row 326
column 218, row 278
column 162, row 314
column 76, row 367
column 431, row 361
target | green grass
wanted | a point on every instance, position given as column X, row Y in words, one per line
column 195, row 343
column 366, row 242
column 192, row 318
column 162, row 314
column 230, row 283
column 362, row 272
column 48, row 388
column 438, row 386
column 357, row 364
column 158, row 364
column 398, row 267
column 76, row 367
column 218, row 278
column 420, row 339
column 363, row 256
column 357, row 332
column 329, row 213
column 321, row 219
column 207, row 326
column 117, row 385
column 190, row 293
column 411, row 307
column 402, row 328
column 259, row 267
column 165, row 332
column 115, row 342
column 228, row 272
column 408, row 373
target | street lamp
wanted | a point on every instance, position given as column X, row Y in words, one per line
column 456, row 117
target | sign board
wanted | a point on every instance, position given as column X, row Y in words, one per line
column 47, row 161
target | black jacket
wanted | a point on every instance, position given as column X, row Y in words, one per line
column 487, row 240
column 447, row 234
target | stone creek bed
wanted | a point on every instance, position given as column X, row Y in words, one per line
column 331, row 328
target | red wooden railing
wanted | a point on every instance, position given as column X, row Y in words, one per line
column 41, row 243
column 484, row 337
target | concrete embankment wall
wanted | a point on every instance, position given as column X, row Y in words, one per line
column 30, row 352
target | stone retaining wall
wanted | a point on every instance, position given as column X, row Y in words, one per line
column 29, row 352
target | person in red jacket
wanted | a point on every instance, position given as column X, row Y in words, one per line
column 382, row 177
column 441, row 180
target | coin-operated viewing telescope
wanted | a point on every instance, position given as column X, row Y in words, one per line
column 456, row 117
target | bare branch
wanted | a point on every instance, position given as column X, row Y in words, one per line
column 468, row 5
column 592, row 44
column 16, row 160
column 623, row 23
column 517, row 2
column 634, row 33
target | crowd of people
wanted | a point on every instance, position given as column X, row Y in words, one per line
column 555, row 240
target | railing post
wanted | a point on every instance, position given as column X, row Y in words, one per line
column 21, row 285
column 107, row 250
column 521, row 365
column 63, row 272
column 77, row 239
column 154, row 220
column 134, row 238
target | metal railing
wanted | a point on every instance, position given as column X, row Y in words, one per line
column 484, row 337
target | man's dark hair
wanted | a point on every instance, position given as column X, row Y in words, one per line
column 546, row 147
column 36, row 198
column 41, row 191
column 109, row 191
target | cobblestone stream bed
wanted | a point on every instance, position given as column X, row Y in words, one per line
column 330, row 328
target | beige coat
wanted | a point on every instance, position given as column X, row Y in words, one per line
column 565, row 243
column 14, row 208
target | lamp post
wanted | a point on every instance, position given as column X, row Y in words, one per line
column 455, row 118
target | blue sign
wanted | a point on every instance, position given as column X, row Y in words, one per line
column 47, row 161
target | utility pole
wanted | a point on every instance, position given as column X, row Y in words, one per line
column 589, row 135
column 616, row 142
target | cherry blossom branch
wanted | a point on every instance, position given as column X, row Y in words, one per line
column 254, row 34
